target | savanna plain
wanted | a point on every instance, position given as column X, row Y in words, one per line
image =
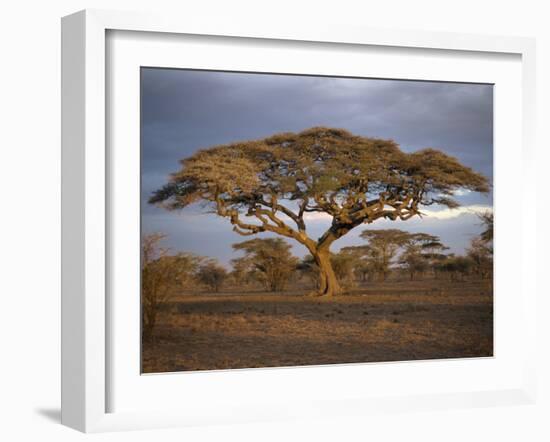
column 395, row 320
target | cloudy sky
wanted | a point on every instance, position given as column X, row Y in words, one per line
column 184, row 110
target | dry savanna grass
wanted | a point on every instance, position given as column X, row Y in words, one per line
column 393, row 321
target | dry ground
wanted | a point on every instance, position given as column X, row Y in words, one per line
column 394, row 321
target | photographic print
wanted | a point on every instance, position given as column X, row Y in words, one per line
column 294, row 220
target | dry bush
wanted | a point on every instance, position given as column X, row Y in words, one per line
column 162, row 275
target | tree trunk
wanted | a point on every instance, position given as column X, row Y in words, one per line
column 328, row 283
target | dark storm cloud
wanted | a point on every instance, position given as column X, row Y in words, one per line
column 186, row 110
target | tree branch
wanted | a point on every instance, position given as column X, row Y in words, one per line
column 403, row 209
column 264, row 216
column 274, row 205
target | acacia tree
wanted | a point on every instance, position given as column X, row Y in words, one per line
column 212, row 275
column 481, row 247
column 242, row 273
column 487, row 219
column 457, row 267
column 269, row 185
column 380, row 250
column 421, row 252
column 363, row 268
column 382, row 247
column 481, row 254
column 270, row 259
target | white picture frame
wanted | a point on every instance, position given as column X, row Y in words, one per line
column 86, row 353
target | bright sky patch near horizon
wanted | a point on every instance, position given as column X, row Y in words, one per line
column 186, row 110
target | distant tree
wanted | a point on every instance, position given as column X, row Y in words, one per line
column 363, row 269
column 344, row 265
column 414, row 261
column 480, row 251
column 457, row 267
column 212, row 274
column 421, row 252
column 436, row 263
column 162, row 275
column 270, row 259
column 275, row 181
column 487, row 220
column 150, row 248
column 481, row 254
column 382, row 247
column 243, row 271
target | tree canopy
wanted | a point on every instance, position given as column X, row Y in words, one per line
column 268, row 185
